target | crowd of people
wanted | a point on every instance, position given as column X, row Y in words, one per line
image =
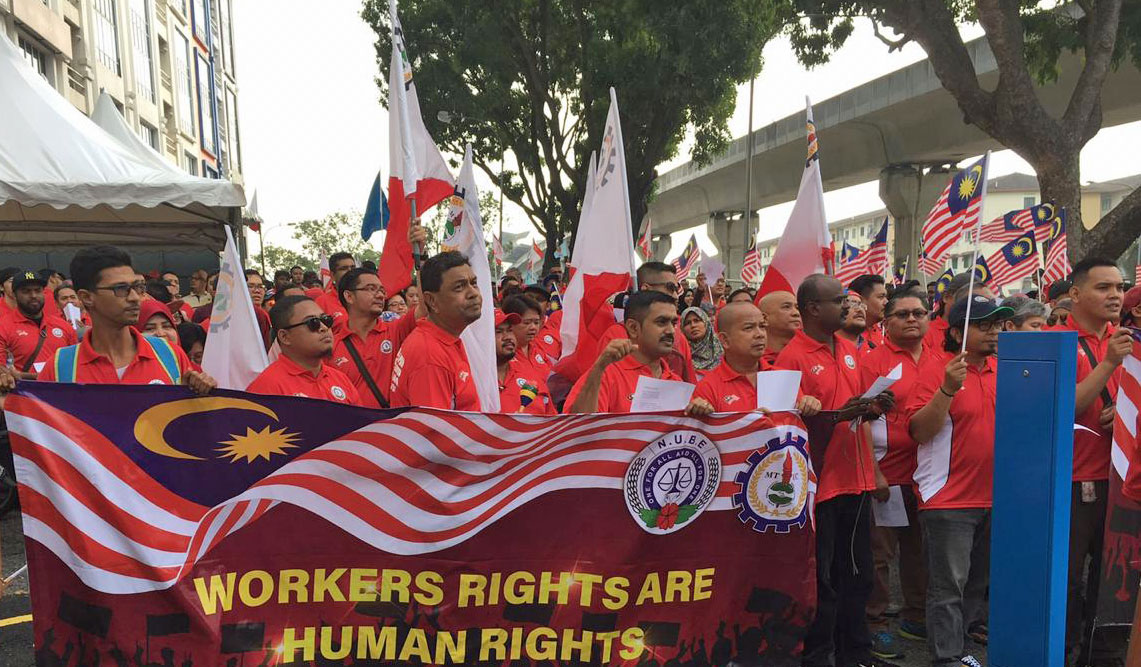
column 931, row 435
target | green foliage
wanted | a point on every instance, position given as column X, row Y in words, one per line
column 532, row 77
column 338, row 232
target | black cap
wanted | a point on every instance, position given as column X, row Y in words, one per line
column 982, row 308
column 25, row 277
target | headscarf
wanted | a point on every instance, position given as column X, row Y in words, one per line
column 707, row 351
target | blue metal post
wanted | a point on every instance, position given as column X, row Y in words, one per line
column 1030, row 528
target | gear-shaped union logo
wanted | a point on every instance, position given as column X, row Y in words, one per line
column 775, row 489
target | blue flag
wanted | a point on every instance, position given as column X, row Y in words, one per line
column 376, row 212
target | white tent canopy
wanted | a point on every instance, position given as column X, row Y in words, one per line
column 66, row 182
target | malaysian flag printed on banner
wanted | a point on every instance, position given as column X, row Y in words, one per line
column 688, row 259
column 1014, row 261
column 853, row 263
column 1057, row 257
column 751, row 266
column 957, row 210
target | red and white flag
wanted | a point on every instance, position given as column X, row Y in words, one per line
column 418, row 171
column 806, row 245
column 325, row 272
column 497, row 249
column 603, row 257
column 1124, row 453
column 234, row 354
column 751, row 266
column 645, row 241
column 534, row 258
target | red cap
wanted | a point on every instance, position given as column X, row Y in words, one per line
column 1131, row 301
column 509, row 318
column 148, row 309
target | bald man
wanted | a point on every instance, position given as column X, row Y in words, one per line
column 784, row 321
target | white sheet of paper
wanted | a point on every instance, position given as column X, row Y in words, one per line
column 884, row 382
column 39, row 366
column 655, row 395
column 776, row 390
column 891, row 514
column 71, row 312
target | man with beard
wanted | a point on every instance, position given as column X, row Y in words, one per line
column 305, row 336
column 521, row 389
column 855, row 322
column 432, row 369
column 872, row 290
column 782, row 322
column 30, row 334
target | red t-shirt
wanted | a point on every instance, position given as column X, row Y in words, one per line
column 956, row 469
column 94, row 368
column 680, row 363
column 619, row 380
column 833, row 377
column 432, row 371
column 1091, row 450
column 377, row 351
column 521, row 378
column 549, row 341
column 284, row 377
column 892, row 443
column 19, row 337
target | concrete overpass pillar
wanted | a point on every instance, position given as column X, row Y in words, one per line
column 661, row 246
column 908, row 195
column 728, row 233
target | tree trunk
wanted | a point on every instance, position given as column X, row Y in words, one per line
column 1116, row 229
column 1059, row 180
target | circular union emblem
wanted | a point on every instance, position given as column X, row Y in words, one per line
column 386, row 347
column 57, row 332
column 849, row 361
column 774, row 488
column 337, row 392
column 156, row 382
column 549, row 339
column 672, row 480
column 520, row 381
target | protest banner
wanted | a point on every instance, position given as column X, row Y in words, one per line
column 295, row 530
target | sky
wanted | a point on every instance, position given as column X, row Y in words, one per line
column 314, row 132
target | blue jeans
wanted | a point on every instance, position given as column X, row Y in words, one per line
column 958, row 573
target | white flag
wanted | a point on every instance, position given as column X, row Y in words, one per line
column 464, row 232
column 235, row 353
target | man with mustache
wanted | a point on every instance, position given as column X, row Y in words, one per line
column 31, row 334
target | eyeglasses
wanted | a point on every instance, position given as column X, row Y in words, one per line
column 260, row 286
column 314, row 323
column 671, row 287
column 121, row 290
column 368, row 288
column 903, row 315
column 986, row 325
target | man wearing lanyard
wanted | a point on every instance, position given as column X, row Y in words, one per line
column 30, row 334
column 521, row 389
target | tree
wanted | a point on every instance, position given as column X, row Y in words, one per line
column 337, row 232
column 532, row 77
column 1027, row 39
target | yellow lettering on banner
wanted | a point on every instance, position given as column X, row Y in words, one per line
column 430, row 590
column 245, row 594
column 326, row 584
column 617, row 594
column 587, row 581
column 307, row 644
column 570, row 645
column 493, row 589
column 362, row 584
column 519, row 588
column 542, row 644
column 516, row 643
column 607, row 639
column 493, row 639
column 703, row 583
column 471, row 587
column 394, row 581
column 295, row 582
column 546, row 587
column 632, row 643
column 677, row 583
column 375, row 643
column 651, row 590
column 346, row 643
column 217, row 594
column 450, row 648
column 415, row 644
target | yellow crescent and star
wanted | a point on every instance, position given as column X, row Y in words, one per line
column 150, row 430
column 970, row 181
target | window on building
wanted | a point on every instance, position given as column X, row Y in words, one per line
column 37, row 57
column 1027, row 202
column 141, row 48
column 200, row 19
column 190, row 163
column 106, row 35
column 205, row 106
column 1106, row 203
column 148, row 134
column 185, row 82
column 227, row 35
column 232, row 136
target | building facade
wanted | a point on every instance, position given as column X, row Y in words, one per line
column 168, row 65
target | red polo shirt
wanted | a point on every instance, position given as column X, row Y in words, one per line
column 936, row 334
column 549, row 341
column 956, row 469
column 892, row 443
column 681, row 363
column 432, row 371
column 377, row 351
column 19, row 337
column 94, row 368
column 520, row 374
column 1091, row 450
column 331, row 304
column 833, row 378
column 284, row 377
column 727, row 390
column 619, row 380
column 875, row 335
column 533, row 356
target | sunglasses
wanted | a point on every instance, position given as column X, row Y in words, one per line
column 672, row 288
column 314, row 323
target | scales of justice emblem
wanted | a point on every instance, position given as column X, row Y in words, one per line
column 672, row 480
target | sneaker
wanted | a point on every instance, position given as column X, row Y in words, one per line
column 970, row 661
column 893, row 610
column 912, row 630
column 883, row 646
column 876, row 663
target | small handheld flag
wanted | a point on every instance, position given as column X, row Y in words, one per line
column 956, row 210
column 527, row 393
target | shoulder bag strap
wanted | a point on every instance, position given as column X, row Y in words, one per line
column 1105, row 397
column 368, row 379
column 39, row 346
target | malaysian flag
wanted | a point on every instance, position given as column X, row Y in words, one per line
column 942, row 282
column 688, row 259
column 900, row 275
column 645, row 242
column 853, row 263
column 1014, row 261
column 983, row 274
column 1057, row 265
column 957, row 210
column 1010, row 226
column 1137, row 275
column 751, row 266
column 1042, row 221
column 876, row 252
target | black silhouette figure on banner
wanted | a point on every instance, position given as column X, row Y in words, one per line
column 46, row 657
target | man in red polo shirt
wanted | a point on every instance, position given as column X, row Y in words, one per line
column 30, row 334
column 956, row 289
column 872, row 290
column 952, row 419
column 112, row 351
column 340, row 263
column 906, row 319
column 521, row 389
column 374, row 341
column 305, row 336
column 847, row 472
column 432, row 368
column 651, row 325
column 1097, row 292
column 782, row 321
